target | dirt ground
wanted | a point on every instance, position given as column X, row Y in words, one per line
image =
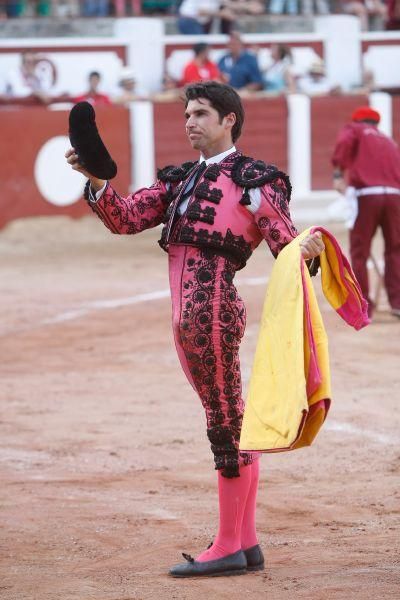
column 106, row 474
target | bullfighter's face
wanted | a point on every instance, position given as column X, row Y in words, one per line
column 206, row 131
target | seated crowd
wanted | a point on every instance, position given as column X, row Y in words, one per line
column 242, row 69
column 237, row 65
column 199, row 16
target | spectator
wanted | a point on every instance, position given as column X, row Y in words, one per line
column 240, row 8
column 240, row 67
column 14, row 8
column 127, row 7
column 196, row 16
column 315, row 81
column 277, row 7
column 43, row 8
column 393, row 21
column 127, row 84
column 95, row 8
column 363, row 9
column 93, row 95
column 279, row 77
column 67, row 8
column 155, row 7
column 201, row 68
column 322, row 7
column 33, row 80
column 170, row 90
column 246, row 7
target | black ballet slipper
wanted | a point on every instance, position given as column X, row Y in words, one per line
column 234, row 564
column 85, row 139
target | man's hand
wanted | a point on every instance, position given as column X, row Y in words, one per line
column 73, row 160
column 339, row 184
column 312, row 245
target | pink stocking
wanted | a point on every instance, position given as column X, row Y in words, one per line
column 249, row 534
column 233, row 495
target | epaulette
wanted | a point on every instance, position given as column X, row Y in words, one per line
column 249, row 173
column 174, row 174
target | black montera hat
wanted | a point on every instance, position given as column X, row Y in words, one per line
column 85, row 139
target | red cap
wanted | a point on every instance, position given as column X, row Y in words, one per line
column 365, row 113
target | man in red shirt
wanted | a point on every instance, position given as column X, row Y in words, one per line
column 93, row 95
column 201, row 68
column 370, row 161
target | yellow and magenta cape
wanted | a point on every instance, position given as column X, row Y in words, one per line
column 290, row 391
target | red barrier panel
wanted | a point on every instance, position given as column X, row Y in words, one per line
column 328, row 115
column 25, row 134
column 264, row 133
column 171, row 144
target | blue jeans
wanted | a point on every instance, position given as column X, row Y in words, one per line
column 189, row 26
column 276, row 7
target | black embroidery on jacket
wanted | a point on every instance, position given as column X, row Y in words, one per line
column 212, row 312
column 234, row 246
column 212, row 172
column 196, row 213
column 123, row 216
column 205, row 192
column 249, row 173
column 172, row 174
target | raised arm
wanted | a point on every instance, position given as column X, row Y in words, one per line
column 142, row 210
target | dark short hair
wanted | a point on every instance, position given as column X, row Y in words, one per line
column 94, row 74
column 222, row 97
column 200, row 47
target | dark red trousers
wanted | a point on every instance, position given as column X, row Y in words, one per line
column 377, row 211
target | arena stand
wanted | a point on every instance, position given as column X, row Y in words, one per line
column 295, row 132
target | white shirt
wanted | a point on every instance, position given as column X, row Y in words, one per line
column 309, row 85
column 192, row 8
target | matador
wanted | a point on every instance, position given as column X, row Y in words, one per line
column 215, row 212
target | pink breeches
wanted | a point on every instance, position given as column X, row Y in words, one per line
column 209, row 319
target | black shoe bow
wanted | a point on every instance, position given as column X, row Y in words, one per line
column 233, row 564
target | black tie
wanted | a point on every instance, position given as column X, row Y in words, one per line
column 193, row 181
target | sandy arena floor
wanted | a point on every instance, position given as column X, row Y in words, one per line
column 106, row 475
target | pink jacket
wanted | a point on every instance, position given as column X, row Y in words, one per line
column 219, row 214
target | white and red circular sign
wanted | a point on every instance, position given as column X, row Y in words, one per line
column 57, row 182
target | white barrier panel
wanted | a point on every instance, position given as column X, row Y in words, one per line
column 383, row 104
column 342, row 49
column 142, row 139
column 299, row 143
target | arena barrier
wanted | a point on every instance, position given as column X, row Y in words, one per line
column 295, row 133
column 35, row 177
